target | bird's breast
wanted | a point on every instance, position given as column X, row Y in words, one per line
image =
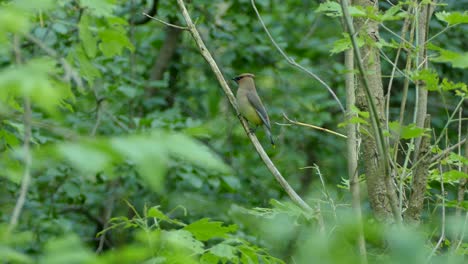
column 246, row 108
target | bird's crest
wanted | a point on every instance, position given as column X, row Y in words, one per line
column 243, row 75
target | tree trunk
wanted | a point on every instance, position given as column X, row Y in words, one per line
column 418, row 186
column 376, row 179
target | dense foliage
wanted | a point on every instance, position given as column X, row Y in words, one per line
column 132, row 153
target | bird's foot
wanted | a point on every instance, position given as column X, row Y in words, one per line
column 252, row 130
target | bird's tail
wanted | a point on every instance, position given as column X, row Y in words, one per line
column 270, row 136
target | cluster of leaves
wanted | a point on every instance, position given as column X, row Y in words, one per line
column 203, row 241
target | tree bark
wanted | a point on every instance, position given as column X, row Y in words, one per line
column 420, row 173
column 377, row 186
column 352, row 153
column 418, row 186
column 164, row 57
column 421, row 63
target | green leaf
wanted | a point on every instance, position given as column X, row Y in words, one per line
column 454, row 175
column 39, row 85
column 456, row 204
column 89, row 157
column 429, row 77
column 99, row 7
column 224, row 251
column 232, row 182
column 87, row 70
column 60, row 28
column 67, row 249
column 156, row 213
column 185, row 148
column 286, row 207
column 450, row 86
column 9, row 255
column 13, row 20
column 204, row 229
column 113, row 42
column 116, row 21
column 363, row 114
column 453, row 18
column 192, row 178
column 412, row 131
column 333, row 9
column 341, row 44
column 248, row 255
column 88, row 41
column 407, row 132
column 8, row 138
column 183, row 239
column 148, row 154
column 209, row 258
column 34, row 6
column 358, row 120
column 392, row 13
column 455, row 160
column 458, row 60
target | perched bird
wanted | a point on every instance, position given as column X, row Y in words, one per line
column 250, row 105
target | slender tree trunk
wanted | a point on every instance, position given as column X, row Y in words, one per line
column 418, row 186
column 376, row 179
column 421, row 63
column 421, row 172
column 164, row 57
column 352, row 155
column 462, row 185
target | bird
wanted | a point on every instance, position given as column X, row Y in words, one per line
column 249, row 103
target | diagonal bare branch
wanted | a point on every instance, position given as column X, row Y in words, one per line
column 258, row 147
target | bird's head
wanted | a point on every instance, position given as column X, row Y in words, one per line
column 242, row 76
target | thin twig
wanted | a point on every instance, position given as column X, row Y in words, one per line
column 292, row 61
column 406, row 24
column 462, row 235
column 107, row 214
column 387, row 59
column 441, row 133
column 26, row 180
column 447, row 150
column 258, row 147
column 99, row 103
column 438, row 33
column 324, row 187
column 442, row 233
column 312, row 126
column 117, row 121
column 396, row 35
column 70, row 73
column 405, row 88
column 461, row 190
column 84, row 211
column 166, row 23
column 353, row 152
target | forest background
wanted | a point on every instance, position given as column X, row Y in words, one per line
column 120, row 141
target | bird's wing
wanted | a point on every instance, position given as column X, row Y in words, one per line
column 253, row 98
